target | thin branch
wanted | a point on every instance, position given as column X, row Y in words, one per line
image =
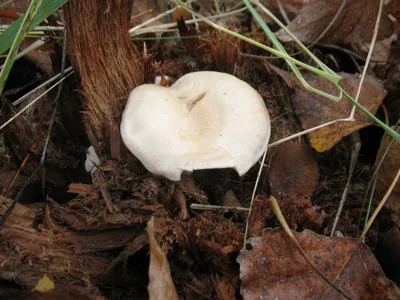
column 33, row 102
column 149, row 21
column 301, row 133
column 159, row 28
column 54, row 78
column 30, row 48
column 219, row 208
column 38, row 28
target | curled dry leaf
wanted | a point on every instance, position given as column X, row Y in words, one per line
column 387, row 172
column 294, row 170
column 161, row 285
column 313, row 109
column 355, row 23
column 274, row 269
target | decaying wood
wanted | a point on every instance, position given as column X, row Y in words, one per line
column 257, row 216
column 107, row 60
column 27, row 254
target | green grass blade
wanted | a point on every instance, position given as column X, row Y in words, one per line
column 297, row 41
column 45, row 10
column 330, row 77
column 388, row 129
column 23, row 29
column 292, row 66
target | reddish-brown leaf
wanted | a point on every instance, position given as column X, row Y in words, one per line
column 313, row 109
column 161, row 285
column 272, row 268
column 294, row 170
column 355, row 23
column 387, row 172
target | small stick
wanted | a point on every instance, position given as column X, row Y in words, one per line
column 219, row 207
column 101, row 182
column 275, row 207
column 381, row 204
column 16, row 175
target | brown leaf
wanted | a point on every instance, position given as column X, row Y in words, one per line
column 355, row 23
column 274, row 268
column 42, row 57
column 230, row 199
column 294, row 170
column 387, row 172
column 9, row 14
column 313, row 109
column 161, row 285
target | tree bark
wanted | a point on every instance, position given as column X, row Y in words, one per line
column 107, row 60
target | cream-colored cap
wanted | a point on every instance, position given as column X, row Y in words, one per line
column 206, row 120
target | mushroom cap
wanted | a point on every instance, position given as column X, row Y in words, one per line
column 205, row 120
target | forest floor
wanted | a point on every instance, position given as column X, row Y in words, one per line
column 94, row 225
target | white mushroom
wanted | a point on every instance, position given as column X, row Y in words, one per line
column 206, row 120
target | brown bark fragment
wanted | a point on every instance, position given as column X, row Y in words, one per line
column 108, row 62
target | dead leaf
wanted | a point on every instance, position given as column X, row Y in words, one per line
column 294, row 170
column 230, row 199
column 271, row 267
column 42, row 56
column 179, row 14
column 161, row 285
column 313, row 109
column 387, row 172
column 44, row 285
column 12, row 10
column 355, row 23
column 9, row 14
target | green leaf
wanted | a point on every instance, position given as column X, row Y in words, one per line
column 45, row 10
column 22, row 30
